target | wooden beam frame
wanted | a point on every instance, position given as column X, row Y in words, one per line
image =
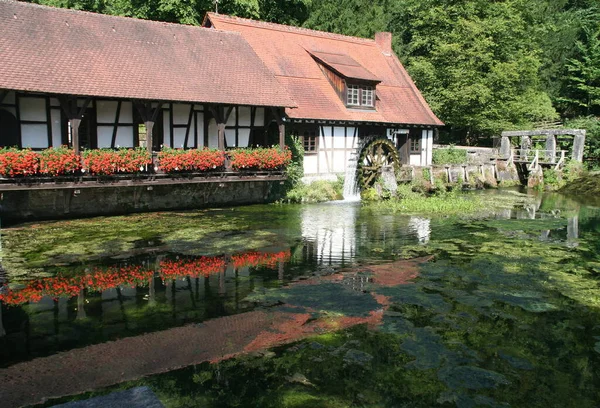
column 279, row 115
column 149, row 116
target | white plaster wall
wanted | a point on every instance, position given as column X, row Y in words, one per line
column 166, row 128
column 105, row 136
column 415, row 159
column 230, row 137
column 310, row 164
column 259, row 118
column 430, row 149
column 124, row 136
column 213, row 136
column 181, row 114
column 106, row 111
column 33, row 109
column 126, row 115
column 200, row 127
column 179, row 137
column 244, row 116
column 243, row 137
column 56, row 128
column 231, row 118
column 34, row 136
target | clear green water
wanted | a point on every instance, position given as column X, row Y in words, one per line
column 505, row 313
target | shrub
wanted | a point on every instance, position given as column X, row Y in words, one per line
column 16, row 162
column 260, row 158
column 58, row 161
column 449, row 155
column 179, row 160
column 108, row 162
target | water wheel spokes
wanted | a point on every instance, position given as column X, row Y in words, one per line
column 373, row 158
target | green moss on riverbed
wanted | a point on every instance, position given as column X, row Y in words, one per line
column 33, row 249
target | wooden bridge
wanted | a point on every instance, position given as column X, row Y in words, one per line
column 536, row 158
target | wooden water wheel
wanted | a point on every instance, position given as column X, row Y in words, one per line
column 373, row 158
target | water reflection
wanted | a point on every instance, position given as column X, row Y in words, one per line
column 329, row 232
column 47, row 315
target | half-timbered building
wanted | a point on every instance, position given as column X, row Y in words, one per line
column 347, row 89
column 93, row 81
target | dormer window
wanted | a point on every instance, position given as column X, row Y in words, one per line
column 353, row 94
column 357, row 95
column 367, row 96
column 353, row 83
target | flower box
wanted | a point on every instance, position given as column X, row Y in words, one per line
column 193, row 160
column 18, row 163
column 260, row 158
column 108, row 162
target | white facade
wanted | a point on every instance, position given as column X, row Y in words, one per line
column 336, row 144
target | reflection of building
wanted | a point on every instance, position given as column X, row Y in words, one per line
column 421, row 227
column 329, row 232
column 159, row 296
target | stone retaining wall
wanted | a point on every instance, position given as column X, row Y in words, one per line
column 37, row 204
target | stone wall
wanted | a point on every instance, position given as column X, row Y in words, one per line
column 37, row 204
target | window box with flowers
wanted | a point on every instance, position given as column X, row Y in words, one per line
column 193, row 160
column 260, row 158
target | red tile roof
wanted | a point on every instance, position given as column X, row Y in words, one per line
column 284, row 50
column 61, row 51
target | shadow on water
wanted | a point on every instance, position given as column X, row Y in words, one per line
column 329, row 305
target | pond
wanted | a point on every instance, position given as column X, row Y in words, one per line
column 324, row 305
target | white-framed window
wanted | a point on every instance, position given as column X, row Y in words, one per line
column 352, row 96
column 360, row 95
column 367, row 96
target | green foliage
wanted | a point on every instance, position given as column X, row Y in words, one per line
column 316, row 192
column 591, row 124
column 583, row 81
column 292, row 12
column 450, row 155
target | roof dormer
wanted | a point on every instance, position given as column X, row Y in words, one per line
column 354, row 84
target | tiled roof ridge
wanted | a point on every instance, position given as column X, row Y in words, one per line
column 288, row 28
column 111, row 16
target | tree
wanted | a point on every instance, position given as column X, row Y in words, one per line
column 583, row 81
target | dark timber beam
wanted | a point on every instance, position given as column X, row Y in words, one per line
column 279, row 114
column 149, row 116
column 68, row 104
column 3, row 93
column 221, row 117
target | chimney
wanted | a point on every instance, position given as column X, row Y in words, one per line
column 384, row 42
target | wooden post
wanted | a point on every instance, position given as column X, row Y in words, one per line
column 149, row 126
column 75, row 134
column 282, row 136
column 221, row 135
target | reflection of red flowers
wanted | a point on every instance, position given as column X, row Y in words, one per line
column 259, row 258
column 133, row 275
